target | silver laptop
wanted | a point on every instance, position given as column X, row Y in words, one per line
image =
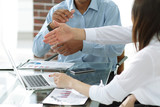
column 34, row 81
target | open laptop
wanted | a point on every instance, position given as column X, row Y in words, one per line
column 34, row 81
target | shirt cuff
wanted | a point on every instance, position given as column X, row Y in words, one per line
column 90, row 34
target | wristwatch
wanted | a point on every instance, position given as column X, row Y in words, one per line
column 49, row 27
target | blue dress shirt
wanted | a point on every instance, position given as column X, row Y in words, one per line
column 99, row 13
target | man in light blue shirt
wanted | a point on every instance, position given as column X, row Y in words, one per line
column 98, row 13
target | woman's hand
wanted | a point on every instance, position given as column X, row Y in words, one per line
column 62, row 80
column 60, row 34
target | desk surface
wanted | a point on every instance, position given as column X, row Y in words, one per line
column 12, row 92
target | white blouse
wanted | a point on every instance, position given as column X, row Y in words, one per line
column 141, row 77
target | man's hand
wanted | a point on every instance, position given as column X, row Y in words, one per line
column 61, row 16
column 69, row 47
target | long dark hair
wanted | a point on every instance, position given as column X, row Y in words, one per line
column 146, row 21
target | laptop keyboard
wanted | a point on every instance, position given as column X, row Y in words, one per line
column 36, row 81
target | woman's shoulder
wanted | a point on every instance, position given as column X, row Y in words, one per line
column 151, row 51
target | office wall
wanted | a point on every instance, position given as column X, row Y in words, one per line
column 41, row 8
column 125, row 7
column 25, row 15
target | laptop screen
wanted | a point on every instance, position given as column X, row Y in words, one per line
column 13, row 63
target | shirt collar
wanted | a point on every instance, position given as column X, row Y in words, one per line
column 70, row 4
column 93, row 5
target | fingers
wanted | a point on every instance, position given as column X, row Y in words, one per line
column 54, row 75
column 67, row 13
column 62, row 15
column 60, row 34
column 53, row 48
column 50, row 39
column 72, row 12
column 66, row 53
column 60, row 48
column 62, row 80
column 59, row 19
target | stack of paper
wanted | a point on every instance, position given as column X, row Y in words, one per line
column 47, row 65
column 65, row 97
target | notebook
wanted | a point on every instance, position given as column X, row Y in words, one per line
column 34, row 81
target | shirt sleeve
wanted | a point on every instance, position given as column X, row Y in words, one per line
column 132, row 78
column 107, row 94
column 39, row 47
column 109, row 35
column 112, row 17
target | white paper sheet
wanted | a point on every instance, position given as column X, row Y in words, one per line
column 65, row 97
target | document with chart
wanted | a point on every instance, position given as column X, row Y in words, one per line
column 46, row 65
column 65, row 97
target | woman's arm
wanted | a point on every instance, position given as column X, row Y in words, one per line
column 103, row 35
column 63, row 33
column 64, row 81
column 109, row 34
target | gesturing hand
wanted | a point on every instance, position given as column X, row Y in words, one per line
column 69, row 47
column 60, row 34
column 61, row 16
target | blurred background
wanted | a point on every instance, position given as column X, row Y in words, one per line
column 21, row 20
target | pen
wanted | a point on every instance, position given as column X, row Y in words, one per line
column 81, row 72
column 48, row 59
column 56, row 99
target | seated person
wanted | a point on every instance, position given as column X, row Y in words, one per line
column 82, row 14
